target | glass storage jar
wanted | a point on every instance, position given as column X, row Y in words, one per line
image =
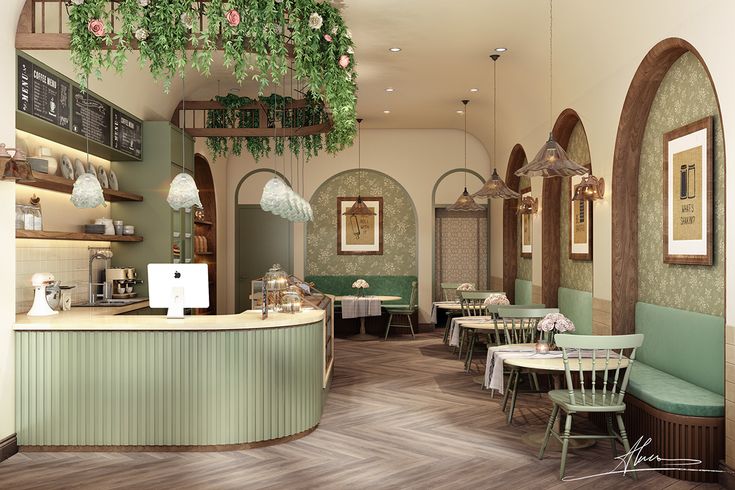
column 19, row 217
column 276, row 278
column 291, row 301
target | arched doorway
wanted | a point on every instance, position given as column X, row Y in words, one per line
column 626, row 168
column 205, row 228
column 510, row 223
column 261, row 238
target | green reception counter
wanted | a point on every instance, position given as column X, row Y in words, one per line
column 86, row 379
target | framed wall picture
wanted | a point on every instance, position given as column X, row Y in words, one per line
column 688, row 194
column 360, row 235
column 526, row 235
column 580, row 225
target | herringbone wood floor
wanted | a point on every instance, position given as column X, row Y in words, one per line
column 401, row 414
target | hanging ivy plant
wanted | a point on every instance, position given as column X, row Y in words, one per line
column 254, row 38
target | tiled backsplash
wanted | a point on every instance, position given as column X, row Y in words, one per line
column 68, row 261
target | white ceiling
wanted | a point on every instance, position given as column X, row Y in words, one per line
column 445, row 52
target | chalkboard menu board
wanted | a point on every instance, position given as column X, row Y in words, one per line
column 56, row 99
column 90, row 117
column 127, row 134
column 43, row 94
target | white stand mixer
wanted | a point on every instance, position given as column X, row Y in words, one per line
column 40, row 307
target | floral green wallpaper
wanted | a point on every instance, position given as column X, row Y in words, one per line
column 685, row 95
column 524, row 265
column 573, row 274
column 399, row 228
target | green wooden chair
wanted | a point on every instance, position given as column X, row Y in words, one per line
column 519, row 327
column 607, row 362
column 449, row 293
column 473, row 305
column 403, row 311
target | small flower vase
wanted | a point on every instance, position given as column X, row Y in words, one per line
column 549, row 338
column 360, row 292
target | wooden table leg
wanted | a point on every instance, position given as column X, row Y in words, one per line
column 362, row 335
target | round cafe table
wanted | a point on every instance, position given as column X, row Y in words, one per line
column 554, row 366
column 362, row 335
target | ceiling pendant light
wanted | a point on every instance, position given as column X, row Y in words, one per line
column 87, row 191
column 494, row 187
column 551, row 160
column 465, row 202
column 359, row 208
column 183, row 192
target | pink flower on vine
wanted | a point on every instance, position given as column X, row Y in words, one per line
column 328, row 38
column 96, row 27
column 344, row 61
column 233, row 18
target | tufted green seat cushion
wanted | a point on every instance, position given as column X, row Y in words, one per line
column 672, row 394
column 577, row 306
column 379, row 286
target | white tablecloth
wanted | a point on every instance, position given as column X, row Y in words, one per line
column 455, row 330
column 435, row 307
column 354, row 307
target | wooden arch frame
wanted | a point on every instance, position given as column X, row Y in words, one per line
column 510, row 223
column 551, row 216
column 626, row 165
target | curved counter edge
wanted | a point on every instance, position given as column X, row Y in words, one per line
column 169, row 387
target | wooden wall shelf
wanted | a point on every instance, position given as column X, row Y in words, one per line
column 60, row 184
column 70, row 235
column 202, row 222
column 203, row 253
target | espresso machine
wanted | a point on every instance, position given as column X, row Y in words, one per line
column 121, row 282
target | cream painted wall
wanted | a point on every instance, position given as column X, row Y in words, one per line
column 415, row 158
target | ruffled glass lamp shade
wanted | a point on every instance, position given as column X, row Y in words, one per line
column 551, row 161
column 465, row 203
column 183, row 192
column 495, row 188
column 87, row 192
column 278, row 198
column 359, row 209
column 590, row 189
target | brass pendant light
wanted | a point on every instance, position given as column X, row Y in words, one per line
column 495, row 187
column 551, row 160
column 359, row 208
column 465, row 202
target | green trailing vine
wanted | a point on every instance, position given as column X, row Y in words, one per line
column 233, row 116
column 252, row 35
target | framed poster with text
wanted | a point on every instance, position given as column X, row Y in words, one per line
column 580, row 225
column 360, row 235
column 688, row 194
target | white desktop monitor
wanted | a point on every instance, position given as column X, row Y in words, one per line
column 178, row 286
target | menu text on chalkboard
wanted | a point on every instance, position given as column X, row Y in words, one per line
column 127, row 134
column 90, row 117
column 43, row 94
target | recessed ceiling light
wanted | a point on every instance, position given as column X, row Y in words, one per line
column 459, row 111
column 474, row 90
column 394, row 50
column 390, row 89
column 501, row 50
column 235, row 89
column 386, row 111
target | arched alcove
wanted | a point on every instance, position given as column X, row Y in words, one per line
column 510, row 223
column 206, row 226
column 551, row 216
column 400, row 227
column 634, row 117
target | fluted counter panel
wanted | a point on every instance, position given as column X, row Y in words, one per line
column 167, row 388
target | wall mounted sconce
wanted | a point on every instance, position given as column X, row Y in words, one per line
column 15, row 167
column 590, row 189
column 528, row 205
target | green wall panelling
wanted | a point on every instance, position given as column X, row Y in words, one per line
column 167, row 388
column 684, row 96
column 153, row 218
column 399, row 228
column 523, row 292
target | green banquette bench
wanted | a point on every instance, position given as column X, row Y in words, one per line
column 379, row 286
column 676, row 389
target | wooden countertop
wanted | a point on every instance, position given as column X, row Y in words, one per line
column 110, row 319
